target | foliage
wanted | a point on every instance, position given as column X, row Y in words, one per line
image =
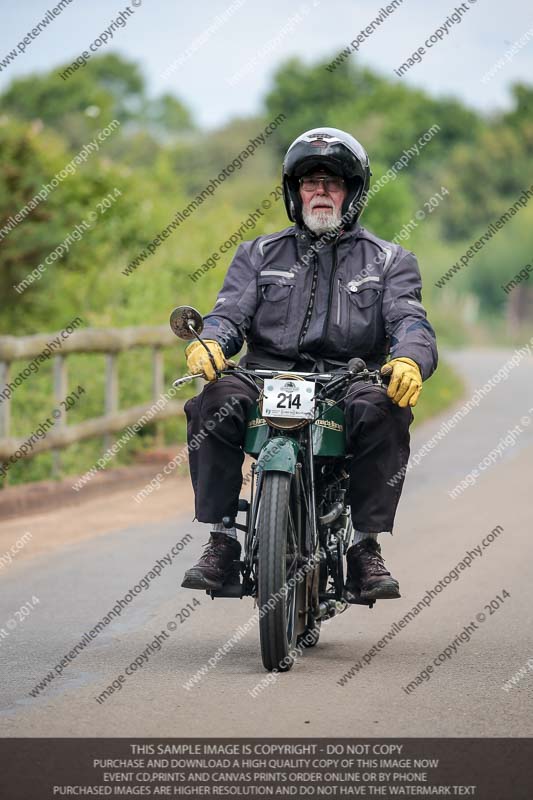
column 386, row 116
column 108, row 87
column 30, row 158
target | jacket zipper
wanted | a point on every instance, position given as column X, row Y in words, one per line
column 307, row 318
column 330, row 296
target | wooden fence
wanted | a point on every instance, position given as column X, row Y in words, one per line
column 111, row 342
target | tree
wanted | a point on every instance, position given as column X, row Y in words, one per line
column 386, row 116
column 108, row 87
column 168, row 116
column 31, row 158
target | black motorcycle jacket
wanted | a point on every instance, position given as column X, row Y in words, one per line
column 302, row 300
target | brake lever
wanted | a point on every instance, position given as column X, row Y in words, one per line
column 333, row 384
column 344, row 377
column 364, row 375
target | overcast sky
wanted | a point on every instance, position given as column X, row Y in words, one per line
column 159, row 32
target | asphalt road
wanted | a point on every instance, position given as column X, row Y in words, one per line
column 79, row 579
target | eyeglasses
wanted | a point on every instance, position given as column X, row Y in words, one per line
column 331, row 184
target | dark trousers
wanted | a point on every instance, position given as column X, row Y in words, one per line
column 377, row 435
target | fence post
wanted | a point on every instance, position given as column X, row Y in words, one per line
column 60, row 392
column 111, row 390
column 5, row 409
column 157, row 387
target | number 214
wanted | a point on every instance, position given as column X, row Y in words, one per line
column 294, row 400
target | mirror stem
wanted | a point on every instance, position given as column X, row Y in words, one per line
column 212, row 360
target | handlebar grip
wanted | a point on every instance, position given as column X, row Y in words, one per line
column 356, row 365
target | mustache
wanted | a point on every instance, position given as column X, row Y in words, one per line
column 315, row 203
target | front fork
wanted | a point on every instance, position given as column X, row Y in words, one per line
column 284, row 454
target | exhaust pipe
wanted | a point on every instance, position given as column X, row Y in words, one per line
column 332, row 515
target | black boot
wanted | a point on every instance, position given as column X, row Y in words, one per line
column 215, row 566
column 367, row 575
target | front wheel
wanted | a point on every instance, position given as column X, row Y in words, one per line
column 278, row 560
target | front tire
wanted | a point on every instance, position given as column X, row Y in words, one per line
column 278, row 552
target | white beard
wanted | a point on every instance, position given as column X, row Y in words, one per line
column 321, row 221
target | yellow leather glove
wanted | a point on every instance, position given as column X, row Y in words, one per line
column 198, row 362
column 406, row 381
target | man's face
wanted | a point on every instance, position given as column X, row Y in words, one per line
column 321, row 206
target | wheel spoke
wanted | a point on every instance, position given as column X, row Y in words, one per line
column 290, row 597
column 292, row 531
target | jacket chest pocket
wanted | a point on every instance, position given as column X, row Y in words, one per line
column 275, row 285
column 358, row 308
column 275, row 292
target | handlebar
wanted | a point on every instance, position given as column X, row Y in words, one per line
column 185, row 379
column 355, row 370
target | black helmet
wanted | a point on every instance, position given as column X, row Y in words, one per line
column 337, row 151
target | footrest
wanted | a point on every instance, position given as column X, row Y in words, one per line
column 354, row 598
column 228, row 590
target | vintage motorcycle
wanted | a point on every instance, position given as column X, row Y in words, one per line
column 297, row 522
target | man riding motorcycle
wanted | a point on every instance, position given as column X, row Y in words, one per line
column 310, row 298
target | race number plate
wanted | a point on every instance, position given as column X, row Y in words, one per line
column 283, row 397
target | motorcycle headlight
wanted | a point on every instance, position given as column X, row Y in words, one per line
column 283, row 423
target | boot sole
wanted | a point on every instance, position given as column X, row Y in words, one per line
column 195, row 579
column 387, row 591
